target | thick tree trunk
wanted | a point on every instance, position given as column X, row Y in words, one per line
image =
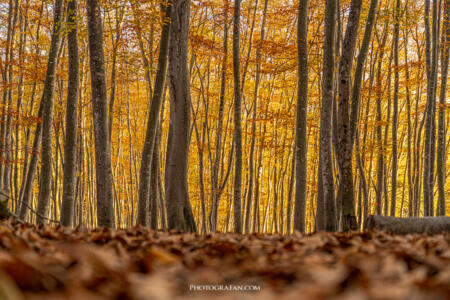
column 153, row 121
column 345, row 144
column 45, row 186
column 103, row 166
column 237, row 120
column 301, row 147
column 70, row 149
column 179, row 210
column 325, row 116
column 429, row 225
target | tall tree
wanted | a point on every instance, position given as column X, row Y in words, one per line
column 345, row 144
column 237, row 120
column 216, row 189
column 105, row 216
column 45, row 187
column 325, row 115
column 301, row 147
column 356, row 96
column 395, row 113
column 430, row 130
column 251, row 159
column 179, row 211
column 70, row 149
column 153, row 119
column 441, row 155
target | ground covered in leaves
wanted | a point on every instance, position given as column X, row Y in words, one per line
column 61, row 263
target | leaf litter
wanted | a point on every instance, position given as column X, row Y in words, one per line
column 47, row 262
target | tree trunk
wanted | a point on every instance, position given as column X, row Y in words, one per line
column 441, row 155
column 301, row 147
column 251, row 159
column 45, row 186
column 179, row 210
column 345, row 145
column 153, row 121
column 103, row 166
column 430, row 132
column 381, row 164
column 395, row 113
column 325, row 116
column 237, row 120
column 215, row 185
column 70, row 149
column 428, row 225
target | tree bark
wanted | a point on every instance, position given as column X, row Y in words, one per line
column 325, row 116
column 430, row 131
column 153, row 121
column 345, row 145
column 179, row 210
column 441, row 155
column 395, row 112
column 105, row 216
column 70, row 149
column 301, row 147
column 45, row 186
column 237, row 120
column 427, row 225
column 215, row 185
column 251, row 159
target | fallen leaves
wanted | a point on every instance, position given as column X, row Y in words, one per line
column 44, row 262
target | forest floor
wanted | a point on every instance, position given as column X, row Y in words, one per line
column 60, row 263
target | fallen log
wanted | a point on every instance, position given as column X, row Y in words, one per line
column 430, row 225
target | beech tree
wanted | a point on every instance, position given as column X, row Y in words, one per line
column 70, row 149
column 237, row 120
column 153, row 120
column 105, row 215
column 301, row 148
column 179, row 211
column 325, row 115
column 44, row 131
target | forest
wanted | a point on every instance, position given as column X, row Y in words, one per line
column 227, row 124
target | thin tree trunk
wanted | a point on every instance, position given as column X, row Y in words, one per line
column 237, row 120
column 441, row 152
column 301, row 147
column 70, row 149
column 45, row 186
column 254, row 115
column 325, row 116
column 430, row 134
column 395, row 113
column 217, row 157
column 153, row 120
